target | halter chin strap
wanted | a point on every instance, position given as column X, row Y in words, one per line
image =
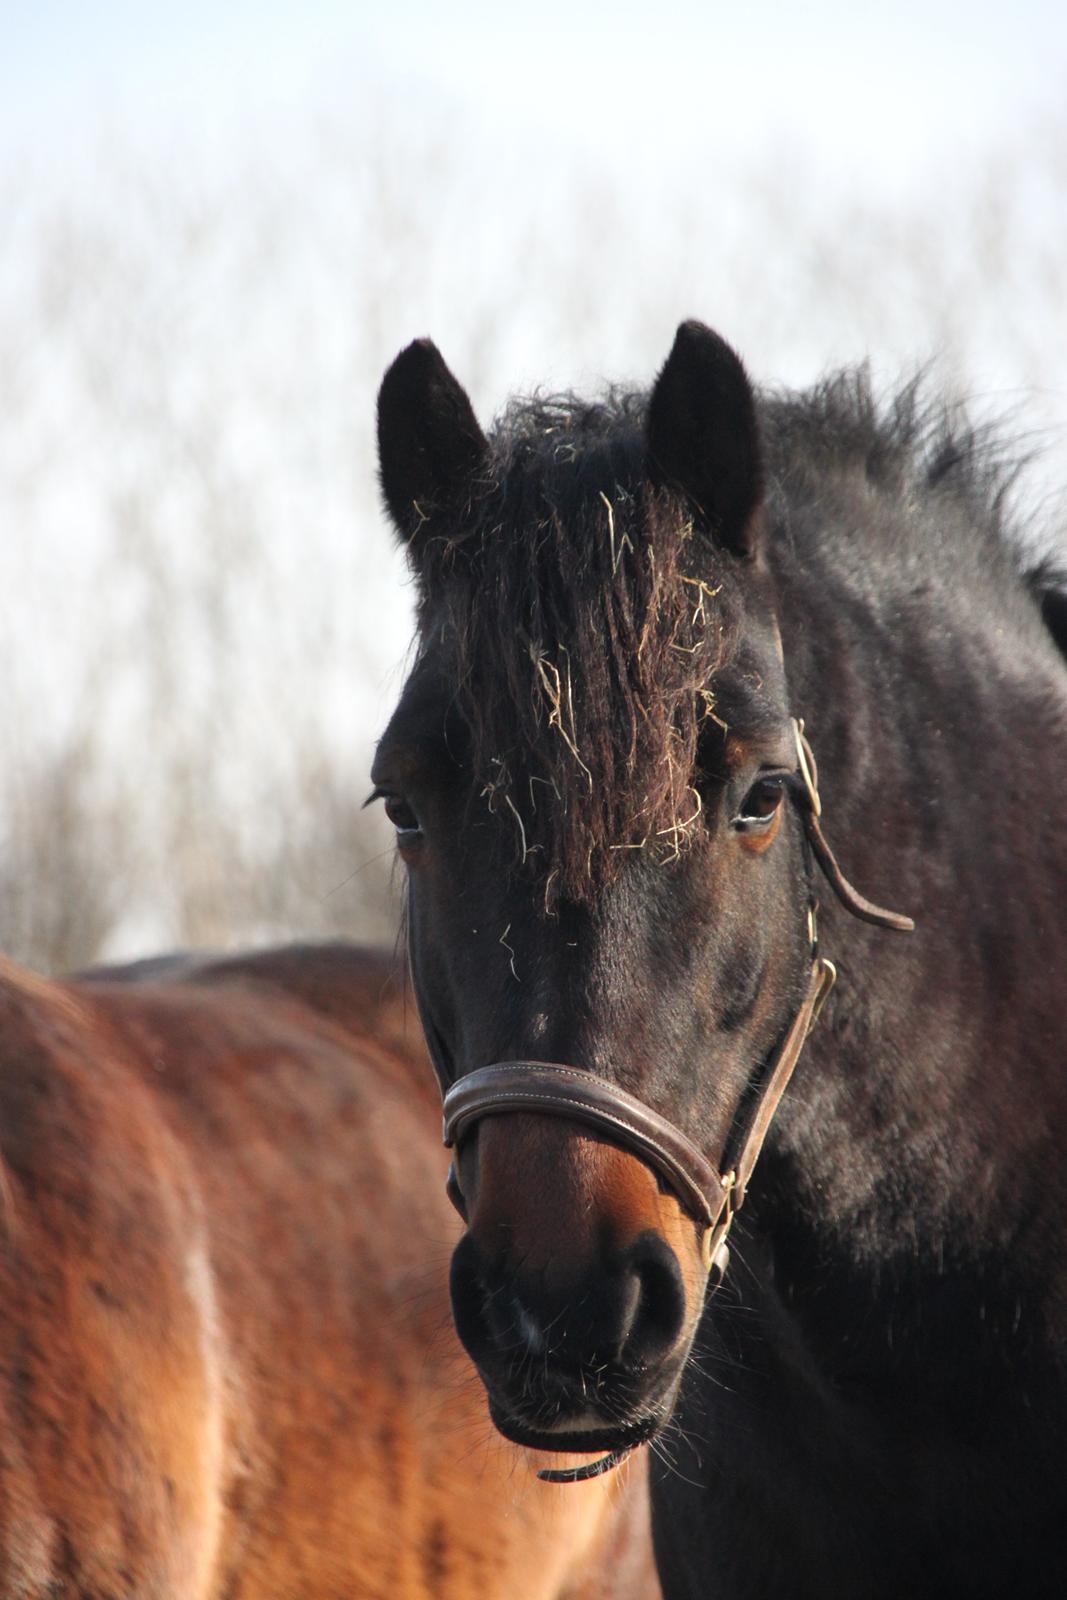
column 712, row 1196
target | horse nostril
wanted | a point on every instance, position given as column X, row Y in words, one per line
column 658, row 1313
column 470, row 1296
column 630, row 1311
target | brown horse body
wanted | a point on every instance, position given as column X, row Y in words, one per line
column 226, row 1365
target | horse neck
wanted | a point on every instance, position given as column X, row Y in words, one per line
column 933, row 1107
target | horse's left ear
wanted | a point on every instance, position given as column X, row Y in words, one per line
column 429, row 443
column 703, row 437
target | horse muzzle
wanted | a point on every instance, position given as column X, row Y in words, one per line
column 579, row 1312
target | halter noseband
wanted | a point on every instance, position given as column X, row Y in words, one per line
column 562, row 1091
column 712, row 1196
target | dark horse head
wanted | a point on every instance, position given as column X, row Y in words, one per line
column 610, row 824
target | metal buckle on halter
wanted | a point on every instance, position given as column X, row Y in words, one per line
column 714, row 1250
column 828, row 978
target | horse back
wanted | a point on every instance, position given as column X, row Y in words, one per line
column 226, row 1365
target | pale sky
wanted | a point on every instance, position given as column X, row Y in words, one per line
column 876, row 88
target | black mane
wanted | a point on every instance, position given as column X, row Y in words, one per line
column 918, row 455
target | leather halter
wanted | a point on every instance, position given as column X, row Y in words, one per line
column 712, row 1196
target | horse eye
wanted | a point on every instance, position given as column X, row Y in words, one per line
column 403, row 818
column 761, row 802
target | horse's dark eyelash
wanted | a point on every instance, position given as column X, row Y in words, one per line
column 789, row 781
column 377, row 793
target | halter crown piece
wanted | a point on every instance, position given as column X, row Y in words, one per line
column 711, row 1195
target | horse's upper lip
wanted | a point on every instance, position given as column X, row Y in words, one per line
column 583, row 1441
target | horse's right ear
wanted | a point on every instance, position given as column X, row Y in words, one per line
column 429, row 443
column 703, row 437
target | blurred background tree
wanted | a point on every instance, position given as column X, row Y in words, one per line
column 203, row 618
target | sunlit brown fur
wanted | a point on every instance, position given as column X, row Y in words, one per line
column 227, row 1367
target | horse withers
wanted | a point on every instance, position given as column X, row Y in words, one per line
column 226, row 1366
column 691, row 664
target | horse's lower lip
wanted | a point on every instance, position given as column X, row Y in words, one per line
column 583, row 1441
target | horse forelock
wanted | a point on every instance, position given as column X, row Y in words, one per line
column 584, row 617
